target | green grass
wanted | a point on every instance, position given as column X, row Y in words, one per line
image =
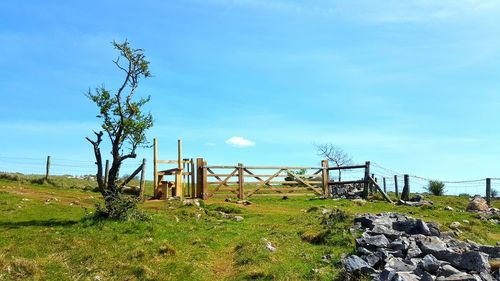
column 46, row 235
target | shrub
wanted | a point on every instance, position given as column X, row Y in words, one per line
column 228, row 209
column 464, row 195
column 494, row 193
column 436, row 188
column 121, row 208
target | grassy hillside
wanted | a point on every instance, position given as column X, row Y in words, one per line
column 47, row 234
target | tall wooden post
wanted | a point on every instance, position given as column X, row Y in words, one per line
column 142, row 183
column 193, row 178
column 383, row 181
column 47, row 168
column 204, row 181
column 366, row 186
column 406, row 189
column 488, row 191
column 326, row 178
column 241, row 182
column 396, row 185
column 178, row 177
column 106, row 173
column 199, row 178
column 155, row 168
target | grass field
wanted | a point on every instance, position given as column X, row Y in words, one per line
column 47, row 233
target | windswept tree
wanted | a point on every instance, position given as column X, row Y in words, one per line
column 123, row 124
column 335, row 155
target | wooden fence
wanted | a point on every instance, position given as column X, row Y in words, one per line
column 197, row 179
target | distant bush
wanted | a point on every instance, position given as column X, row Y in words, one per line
column 464, row 195
column 494, row 193
column 436, row 188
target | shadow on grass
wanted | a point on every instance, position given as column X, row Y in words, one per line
column 42, row 223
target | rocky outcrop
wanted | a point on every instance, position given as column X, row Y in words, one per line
column 397, row 247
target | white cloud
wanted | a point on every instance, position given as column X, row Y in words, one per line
column 240, row 142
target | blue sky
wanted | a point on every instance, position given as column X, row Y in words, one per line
column 411, row 85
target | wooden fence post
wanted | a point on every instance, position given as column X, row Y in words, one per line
column 178, row 177
column 488, row 191
column 193, row 177
column 385, row 189
column 326, row 179
column 106, row 172
column 199, row 178
column 155, row 168
column 241, row 182
column 142, row 184
column 396, row 185
column 373, row 190
column 405, row 196
column 366, row 186
column 47, row 169
column 204, row 184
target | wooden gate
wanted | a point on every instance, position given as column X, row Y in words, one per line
column 246, row 181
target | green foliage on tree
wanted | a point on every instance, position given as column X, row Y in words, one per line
column 124, row 125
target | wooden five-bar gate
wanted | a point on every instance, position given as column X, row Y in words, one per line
column 196, row 179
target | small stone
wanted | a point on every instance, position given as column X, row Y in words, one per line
column 429, row 263
column 447, row 270
column 354, row 264
column 372, row 259
column 417, row 198
column 462, row 276
column 238, row 218
column 363, row 251
column 465, row 221
column 476, row 261
column 270, row 247
column 405, row 276
column 455, row 225
column 448, row 208
column 374, row 241
column 413, row 253
column 423, row 228
column 399, row 264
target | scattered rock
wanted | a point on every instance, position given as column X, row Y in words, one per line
column 478, row 204
column 448, row 208
column 238, row 218
column 355, row 264
column 455, row 225
column 191, row 202
column 270, row 246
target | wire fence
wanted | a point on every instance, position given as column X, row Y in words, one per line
column 59, row 166
column 85, row 168
column 419, row 184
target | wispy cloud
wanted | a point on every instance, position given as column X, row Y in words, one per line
column 240, row 142
column 392, row 11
